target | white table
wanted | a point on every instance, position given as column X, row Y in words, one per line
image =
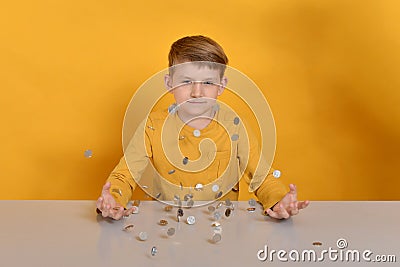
column 69, row 233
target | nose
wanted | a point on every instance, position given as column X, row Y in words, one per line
column 196, row 90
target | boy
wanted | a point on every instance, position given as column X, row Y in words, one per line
column 196, row 79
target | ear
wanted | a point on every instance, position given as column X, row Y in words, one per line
column 168, row 82
column 224, row 82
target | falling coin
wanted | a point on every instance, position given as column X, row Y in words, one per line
column 211, row 208
column 235, row 137
column 218, row 195
column 198, row 187
column 171, row 231
column 88, row 153
column 216, row 237
column 191, row 220
column 187, row 197
column 276, row 173
column 185, row 160
column 143, row 236
column 153, row 251
column 171, row 171
column 168, row 208
column 215, row 188
column 236, row 120
column 190, row 203
column 163, row 222
column 158, row 195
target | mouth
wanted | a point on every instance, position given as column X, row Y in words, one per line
column 197, row 102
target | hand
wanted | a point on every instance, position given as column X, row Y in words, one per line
column 109, row 207
column 288, row 206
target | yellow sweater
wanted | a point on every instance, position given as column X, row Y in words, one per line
column 181, row 158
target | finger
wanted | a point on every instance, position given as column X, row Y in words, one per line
column 118, row 213
column 106, row 188
column 303, row 204
column 283, row 212
column 99, row 203
column 273, row 214
column 293, row 210
column 293, row 190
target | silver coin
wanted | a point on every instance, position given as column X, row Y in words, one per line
column 228, row 212
column 217, row 215
column 171, row 231
column 198, row 187
column 88, row 153
column 187, row 197
column 171, row 171
column 191, row 220
column 143, row 236
column 211, row 208
column 218, row 195
column 276, row 173
column 190, row 203
column 158, row 195
column 236, row 120
column 235, row 137
column 215, row 188
column 216, row 237
column 153, row 251
column 215, row 224
column 252, row 202
column 196, row 133
column 185, row 160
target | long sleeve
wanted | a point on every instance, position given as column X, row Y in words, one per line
column 257, row 172
column 131, row 166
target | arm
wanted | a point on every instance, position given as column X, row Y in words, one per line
column 120, row 184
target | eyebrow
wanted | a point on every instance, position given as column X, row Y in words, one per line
column 190, row 78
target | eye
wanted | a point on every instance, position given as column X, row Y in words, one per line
column 207, row 83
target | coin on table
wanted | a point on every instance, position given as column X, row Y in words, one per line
column 216, row 237
column 191, row 220
column 215, row 224
column 219, row 205
column 211, row 208
column 217, row 215
column 168, row 208
column 317, row 243
column 163, row 222
column 252, row 202
column 251, row 209
column 217, row 230
column 228, row 212
column 228, row 202
column 143, row 236
column 171, row 231
column 135, row 209
column 128, row 227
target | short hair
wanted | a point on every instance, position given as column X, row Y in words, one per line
column 197, row 48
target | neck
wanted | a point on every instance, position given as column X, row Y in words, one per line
column 197, row 123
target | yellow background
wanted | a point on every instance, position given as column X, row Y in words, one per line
column 329, row 69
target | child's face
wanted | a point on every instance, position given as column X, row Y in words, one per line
column 195, row 88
